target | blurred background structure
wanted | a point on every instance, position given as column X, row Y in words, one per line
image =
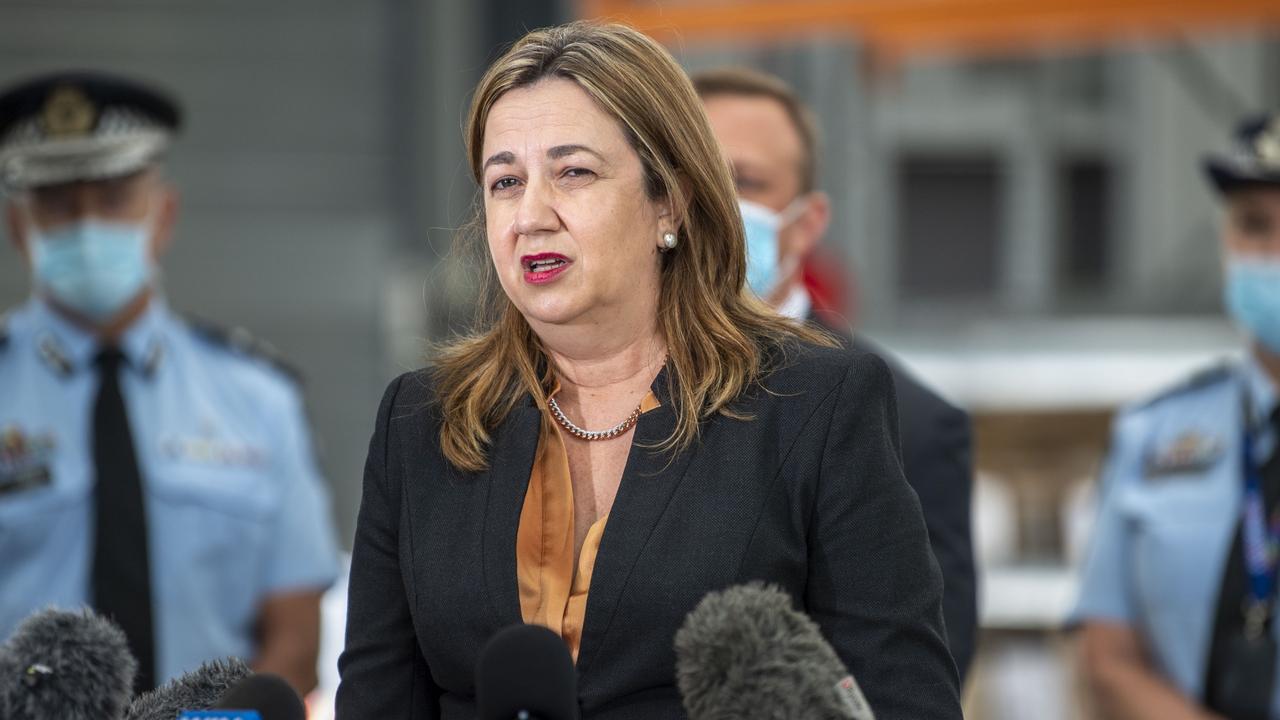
column 1018, row 211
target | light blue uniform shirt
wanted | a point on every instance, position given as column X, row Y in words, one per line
column 1171, row 496
column 236, row 508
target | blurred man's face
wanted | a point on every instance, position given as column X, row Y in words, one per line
column 1251, row 260
column 123, row 199
column 765, row 152
column 762, row 145
column 1252, row 225
column 135, row 198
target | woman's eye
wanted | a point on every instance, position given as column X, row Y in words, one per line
column 505, row 183
column 578, row 173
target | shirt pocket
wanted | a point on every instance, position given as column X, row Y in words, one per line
column 212, row 527
column 29, row 519
column 1179, row 530
column 1177, row 563
column 243, row 494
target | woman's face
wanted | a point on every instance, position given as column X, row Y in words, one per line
column 572, row 232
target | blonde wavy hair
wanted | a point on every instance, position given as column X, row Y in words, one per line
column 720, row 338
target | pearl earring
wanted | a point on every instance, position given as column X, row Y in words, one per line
column 669, row 241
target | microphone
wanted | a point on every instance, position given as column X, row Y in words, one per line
column 61, row 665
column 525, row 672
column 196, row 690
column 746, row 652
column 269, row 695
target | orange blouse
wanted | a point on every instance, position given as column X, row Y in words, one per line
column 553, row 584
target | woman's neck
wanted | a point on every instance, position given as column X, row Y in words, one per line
column 608, row 369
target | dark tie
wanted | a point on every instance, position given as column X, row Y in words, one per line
column 1270, row 471
column 121, row 567
column 1228, row 619
column 1272, row 467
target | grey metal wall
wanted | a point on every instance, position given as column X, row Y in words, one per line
column 289, row 171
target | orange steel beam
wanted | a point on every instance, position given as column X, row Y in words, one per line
column 896, row 28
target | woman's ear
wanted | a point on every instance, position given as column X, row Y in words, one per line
column 675, row 205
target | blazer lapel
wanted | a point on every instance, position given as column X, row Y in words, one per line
column 510, row 462
column 648, row 482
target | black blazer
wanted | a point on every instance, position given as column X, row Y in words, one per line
column 807, row 494
column 938, row 461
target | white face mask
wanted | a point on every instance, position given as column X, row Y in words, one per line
column 763, row 226
column 1252, row 295
column 94, row 267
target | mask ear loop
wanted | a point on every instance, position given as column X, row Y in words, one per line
column 793, row 211
column 790, row 214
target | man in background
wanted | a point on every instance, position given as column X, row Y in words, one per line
column 770, row 140
column 155, row 471
column 1178, row 601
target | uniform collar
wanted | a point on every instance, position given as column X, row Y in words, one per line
column 796, row 304
column 1262, row 392
column 66, row 348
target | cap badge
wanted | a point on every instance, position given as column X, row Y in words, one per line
column 1267, row 145
column 68, row 113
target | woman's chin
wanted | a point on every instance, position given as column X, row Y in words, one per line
column 551, row 311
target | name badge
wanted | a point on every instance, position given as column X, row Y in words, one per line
column 220, row 715
column 202, row 450
column 25, row 460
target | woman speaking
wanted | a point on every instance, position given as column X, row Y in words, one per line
column 628, row 429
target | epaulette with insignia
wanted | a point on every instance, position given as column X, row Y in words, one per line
column 242, row 342
column 1203, row 378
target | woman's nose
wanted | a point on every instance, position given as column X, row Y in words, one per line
column 536, row 211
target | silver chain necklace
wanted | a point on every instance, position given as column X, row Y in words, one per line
column 576, row 431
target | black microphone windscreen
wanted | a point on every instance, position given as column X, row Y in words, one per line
column 270, row 695
column 196, row 690
column 746, row 652
column 526, row 668
column 60, row 665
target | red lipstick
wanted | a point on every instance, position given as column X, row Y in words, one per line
column 542, row 268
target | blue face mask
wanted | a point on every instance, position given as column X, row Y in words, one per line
column 1253, row 297
column 92, row 266
column 762, row 226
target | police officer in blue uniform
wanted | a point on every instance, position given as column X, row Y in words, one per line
column 1178, row 596
column 158, row 472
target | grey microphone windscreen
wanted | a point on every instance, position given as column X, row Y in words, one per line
column 62, row 665
column 196, row 690
column 746, row 652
